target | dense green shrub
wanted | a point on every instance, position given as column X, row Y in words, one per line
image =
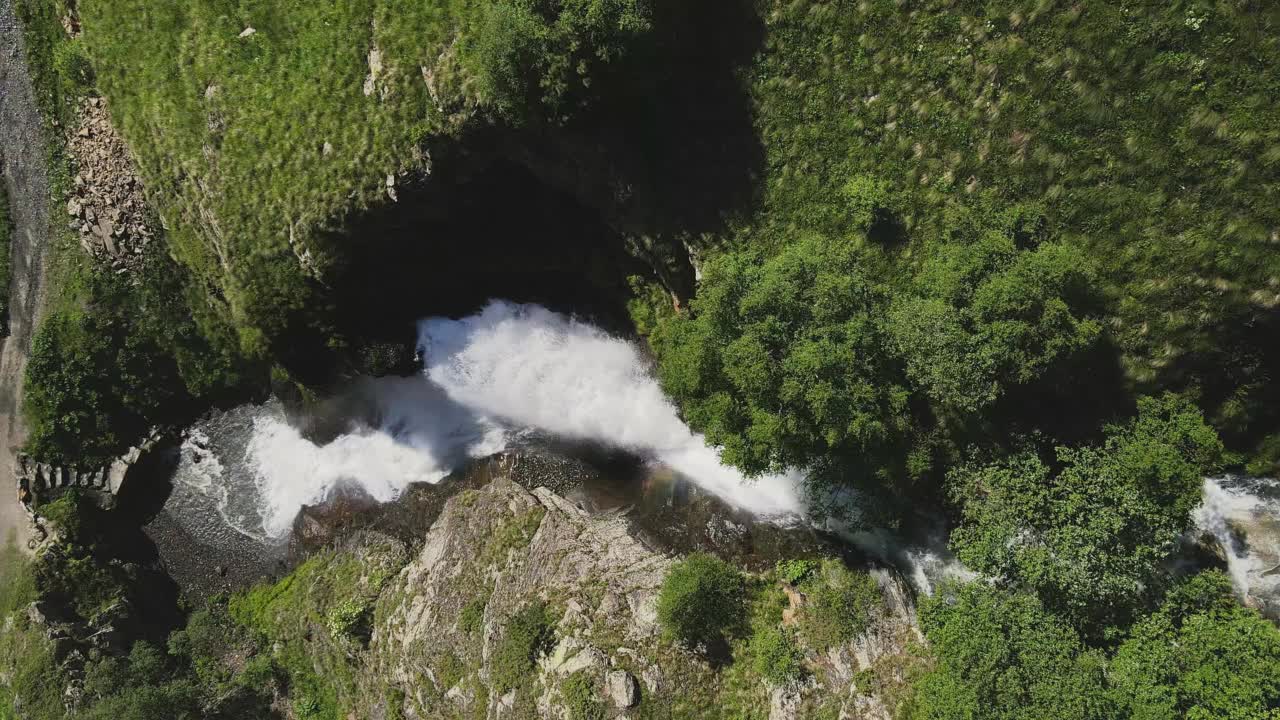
column 527, row 636
column 702, row 598
column 346, row 619
column 1201, row 655
column 582, row 697
column 775, row 654
column 471, row 619
column 838, row 606
column 984, row 314
column 65, row 512
column 72, row 575
column 72, row 65
column 1089, row 531
column 221, row 654
column 1000, row 656
column 113, row 358
column 797, row 569
column 781, row 361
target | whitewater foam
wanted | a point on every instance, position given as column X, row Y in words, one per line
column 531, row 367
column 1243, row 516
column 489, row 380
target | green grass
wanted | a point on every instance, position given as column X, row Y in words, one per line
column 317, row 614
column 582, row 697
column 60, row 71
column 115, row 355
column 471, row 619
column 527, row 636
column 25, row 653
column 255, row 144
column 1142, row 132
column 513, row 534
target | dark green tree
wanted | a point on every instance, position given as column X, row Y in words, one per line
column 1201, row 656
column 1001, row 656
column 702, row 598
column 1089, row 530
column 984, row 314
column 781, row 362
column 542, row 52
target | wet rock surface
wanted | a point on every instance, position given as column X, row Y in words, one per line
column 1238, row 526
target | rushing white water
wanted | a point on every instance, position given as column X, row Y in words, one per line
column 1243, row 516
column 489, row 380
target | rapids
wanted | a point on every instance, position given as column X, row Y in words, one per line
column 511, row 375
column 516, row 376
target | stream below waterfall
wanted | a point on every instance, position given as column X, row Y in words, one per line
column 521, row 378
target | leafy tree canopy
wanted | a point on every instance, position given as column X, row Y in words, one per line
column 1089, row 530
column 782, row 362
column 1001, row 656
column 984, row 313
column 702, row 598
column 1201, row 657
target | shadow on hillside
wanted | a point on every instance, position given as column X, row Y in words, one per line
column 559, row 213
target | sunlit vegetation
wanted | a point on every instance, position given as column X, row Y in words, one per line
column 703, row 600
column 116, row 356
column 1090, row 528
column 1012, row 262
column 1020, row 182
column 257, row 128
column 1000, row 654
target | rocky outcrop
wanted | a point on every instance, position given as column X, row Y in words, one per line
column 107, row 207
column 1238, row 524
column 439, row 626
column 39, row 483
column 516, row 547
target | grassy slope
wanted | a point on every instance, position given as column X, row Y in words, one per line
column 25, row 653
column 252, row 142
column 231, row 132
column 1141, row 130
column 115, row 354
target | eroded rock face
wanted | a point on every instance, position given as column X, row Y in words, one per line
column 517, row 547
column 1239, row 523
column 495, row 550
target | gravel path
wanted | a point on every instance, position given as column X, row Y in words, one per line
column 22, row 150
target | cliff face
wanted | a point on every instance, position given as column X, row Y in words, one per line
column 502, row 564
column 508, row 548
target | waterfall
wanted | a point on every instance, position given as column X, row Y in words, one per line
column 525, row 366
column 1243, row 517
column 501, row 378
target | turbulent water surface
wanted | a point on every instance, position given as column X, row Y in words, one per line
column 1243, row 516
column 507, row 376
column 520, row 376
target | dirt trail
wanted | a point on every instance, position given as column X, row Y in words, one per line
column 22, row 149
